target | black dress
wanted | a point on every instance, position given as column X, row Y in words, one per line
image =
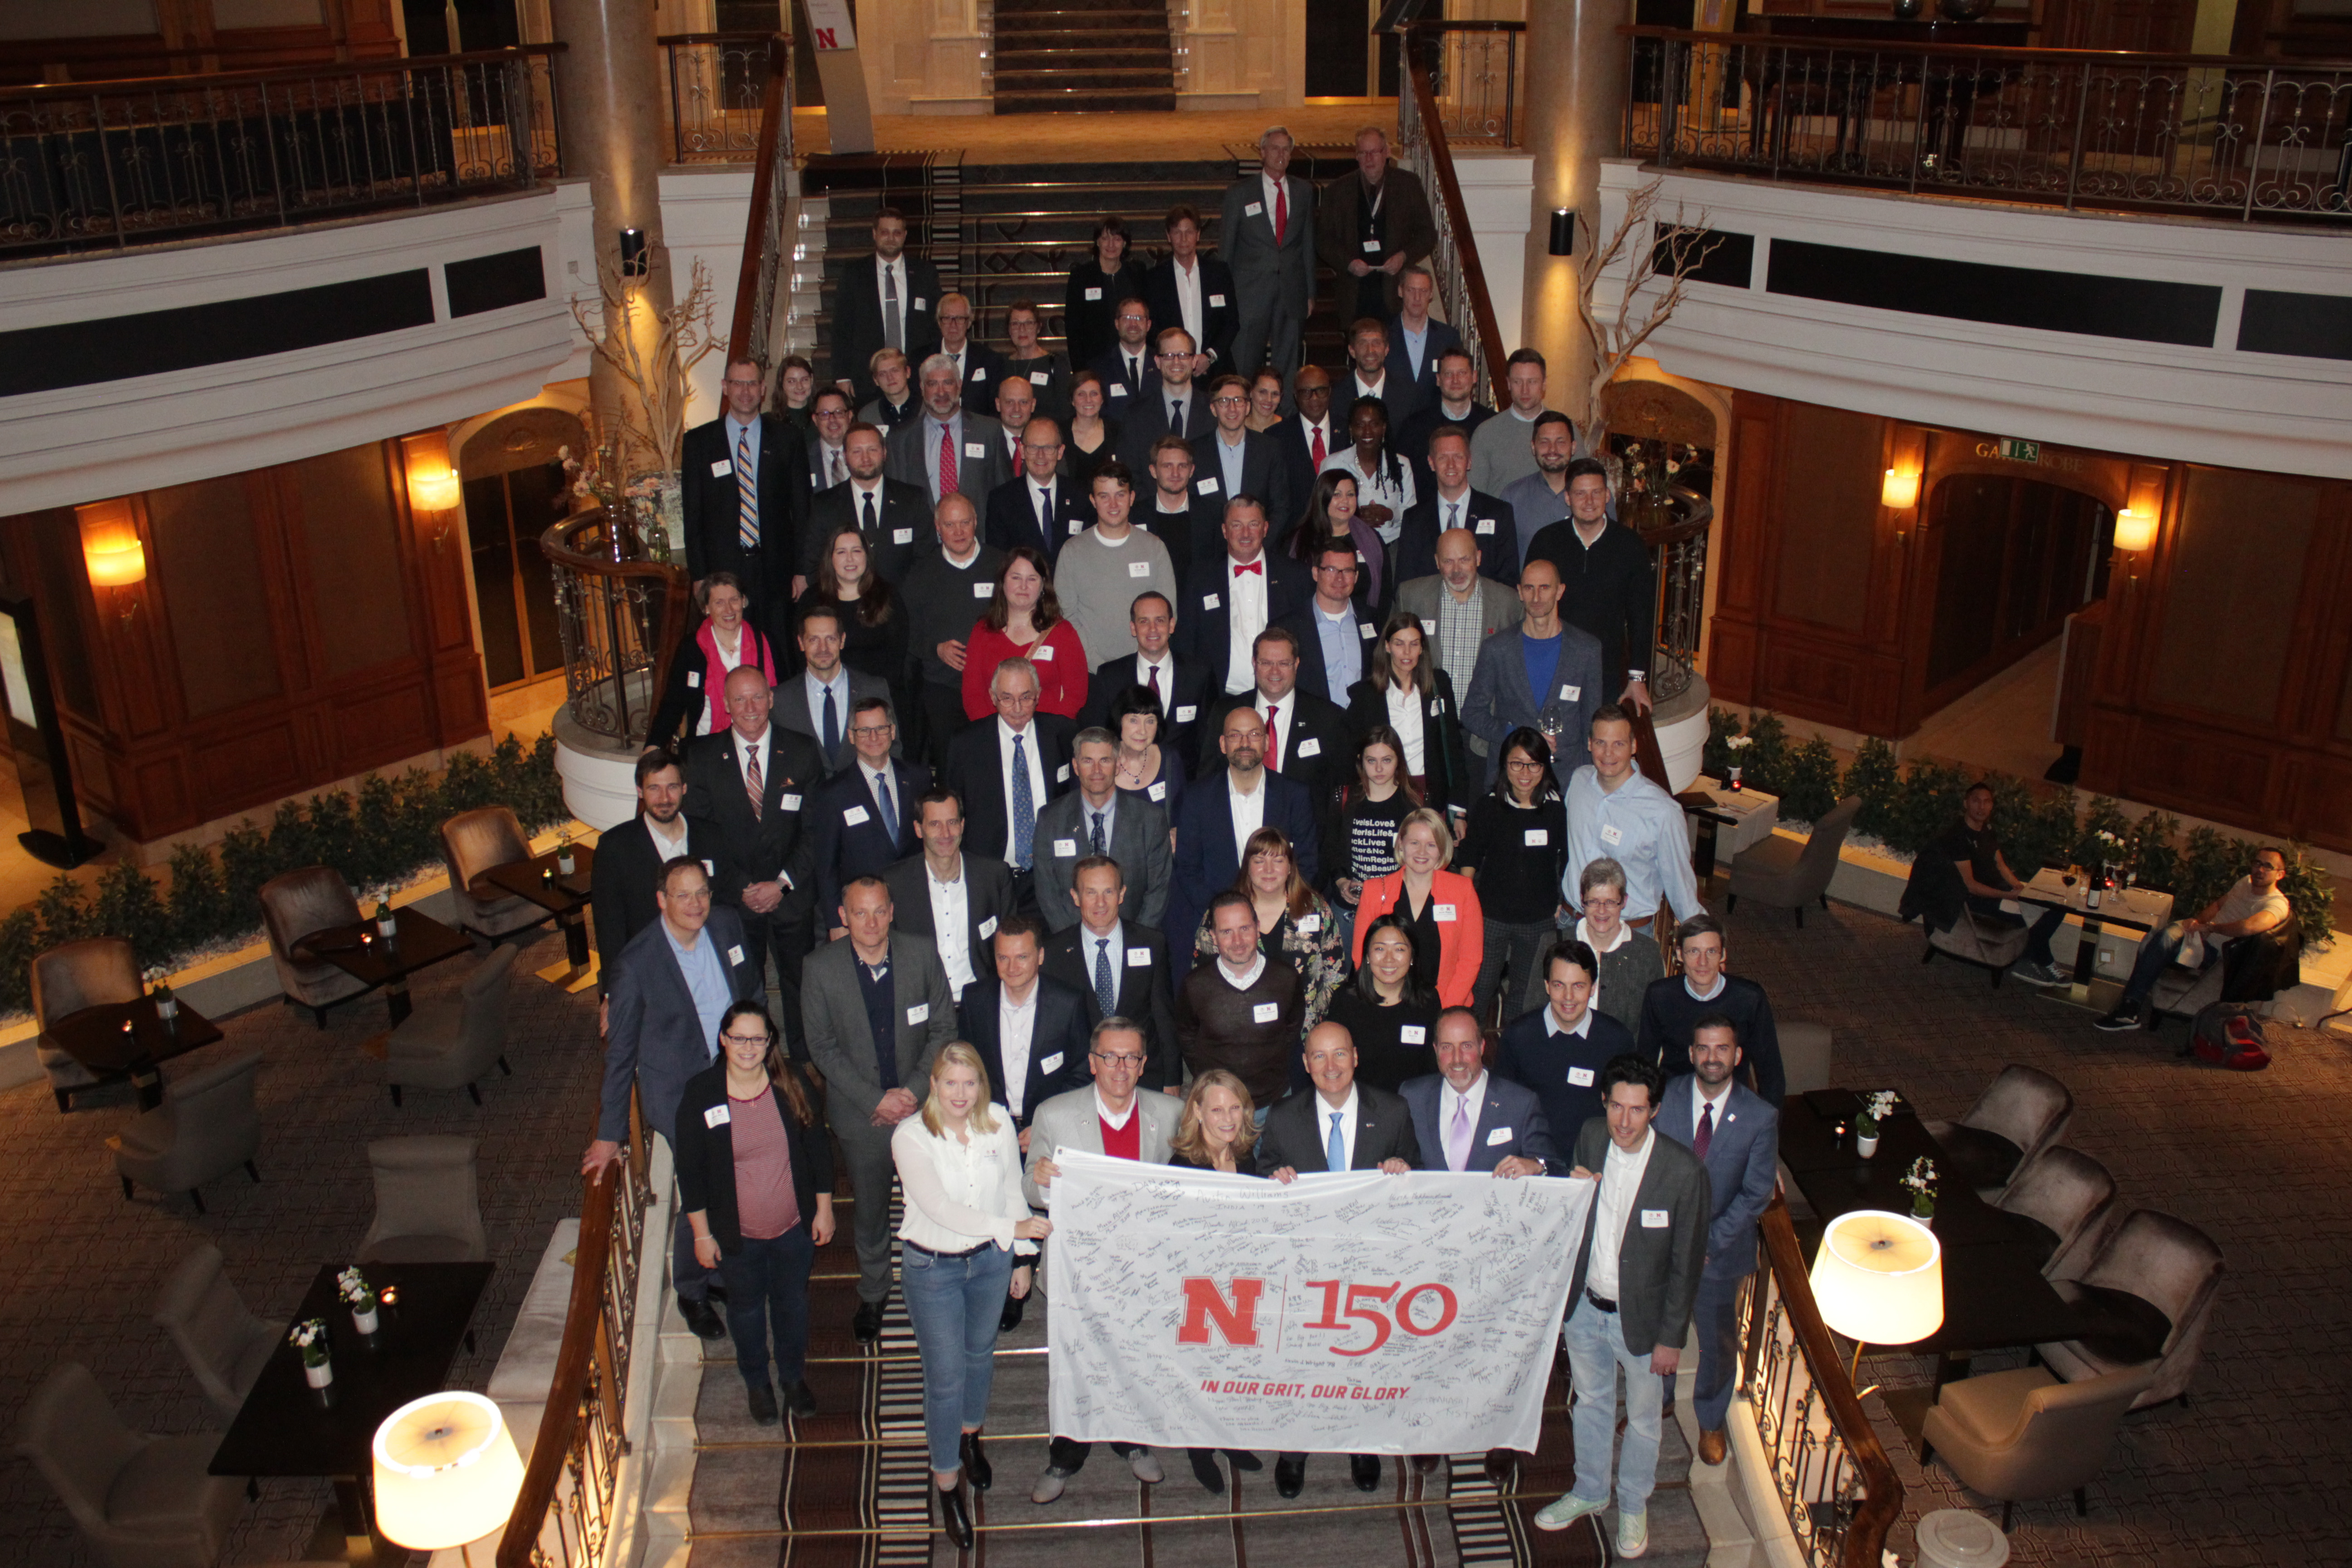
column 1090, row 326
column 877, row 650
column 1392, row 1043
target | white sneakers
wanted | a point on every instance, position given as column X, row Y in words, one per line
column 1632, row 1534
column 1633, row 1528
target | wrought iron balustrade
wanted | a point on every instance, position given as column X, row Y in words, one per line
column 1425, row 145
column 621, row 620
column 719, row 92
column 1478, row 72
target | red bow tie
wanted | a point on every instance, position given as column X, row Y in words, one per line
column 1256, row 566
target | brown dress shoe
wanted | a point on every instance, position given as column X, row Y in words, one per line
column 1712, row 1448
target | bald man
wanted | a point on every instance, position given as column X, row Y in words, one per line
column 946, row 589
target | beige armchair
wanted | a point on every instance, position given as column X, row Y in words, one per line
column 428, row 1206
column 2022, row 1435
column 1805, row 1055
column 1788, row 875
column 2067, row 1193
column 301, row 904
column 142, row 1502
column 2021, row 1113
column 66, row 979
column 449, row 1044
column 2150, row 1287
column 1972, row 939
column 473, row 842
column 206, row 1128
column 223, row 1343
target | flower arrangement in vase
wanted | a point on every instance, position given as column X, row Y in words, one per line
column 1875, row 1107
column 1738, row 743
column 360, row 1296
column 159, row 985
column 565, row 862
column 1922, row 1180
column 309, row 1338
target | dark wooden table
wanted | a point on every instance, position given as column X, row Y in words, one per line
column 285, row 1427
column 130, row 1039
column 540, row 881
column 419, row 941
column 2133, row 909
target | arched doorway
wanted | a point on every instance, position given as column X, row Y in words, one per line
column 2016, row 555
column 514, row 488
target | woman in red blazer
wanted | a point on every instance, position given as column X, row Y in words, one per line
column 1025, row 620
column 1449, row 930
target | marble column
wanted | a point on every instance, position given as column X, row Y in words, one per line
column 1575, row 109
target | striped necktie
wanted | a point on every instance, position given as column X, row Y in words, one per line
column 747, row 494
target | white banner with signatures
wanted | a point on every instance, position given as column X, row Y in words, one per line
column 1353, row 1313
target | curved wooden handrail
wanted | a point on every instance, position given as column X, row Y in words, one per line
column 207, row 81
column 553, row 1447
column 2000, row 51
column 1445, row 24
column 775, row 127
column 560, row 545
column 1457, row 213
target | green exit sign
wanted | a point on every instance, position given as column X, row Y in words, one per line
column 2020, row 451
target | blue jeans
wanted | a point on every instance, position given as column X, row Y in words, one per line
column 768, row 1282
column 1596, row 1349
column 955, row 1303
column 2156, row 949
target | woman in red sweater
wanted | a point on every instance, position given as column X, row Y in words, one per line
column 1449, row 928
column 1024, row 620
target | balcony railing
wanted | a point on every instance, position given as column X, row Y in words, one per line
column 1425, row 145
column 2179, row 133
column 1478, row 73
column 621, row 618
column 718, row 93
column 110, row 164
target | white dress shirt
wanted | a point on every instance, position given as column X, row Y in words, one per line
column 1247, row 977
column 737, row 432
column 746, row 750
column 1245, row 618
column 667, row 847
column 813, row 691
column 1553, row 1027
column 875, row 780
column 1345, row 1112
column 959, row 1194
column 1584, row 935
column 952, row 920
column 1449, row 1101
column 1249, row 811
column 859, row 490
column 1166, row 664
column 831, row 466
column 1188, row 300
column 1017, row 1026
column 1041, row 507
column 1115, row 1123
column 1269, row 191
column 1707, row 996
column 1405, row 717
column 1621, row 1185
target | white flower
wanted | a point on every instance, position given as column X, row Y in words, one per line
column 307, row 1332
column 1741, row 742
column 355, row 1286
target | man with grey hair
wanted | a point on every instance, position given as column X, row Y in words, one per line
column 1099, row 818
column 1371, row 221
column 1005, row 769
column 1267, row 237
column 949, row 450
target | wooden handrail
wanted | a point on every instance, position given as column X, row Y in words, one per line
column 205, row 81
column 1445, row 24
column 1457, row 213
column 1760, row 39
column 775, row 125
column 551, row 1449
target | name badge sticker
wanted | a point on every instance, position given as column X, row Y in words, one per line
column 1138, row 568
column 1611, row 834
column 1499, row 1135
column 1041, row 378
column 717, row 1116
column 1309, row 924
column 1313, row 747
column 1364, row 630
column 1118, row 389
column 1066, row 846
column 1206, row 486
column 1041, row 654
column 980, row 373
column 1209, row 601
column 1139, row 958
column 1216, row 302
column 789, row 802
column 694, row 677
column 1437, row 707
column 1372, row 247
column 1062, row 774
column 1265, row 1012
column 1537, row 837
column 1253, row 209
column 1051, row 1064
column 1571, row 693
column 1654, row 1219
column 988, row 928
column 1157, row 791
column 921, row 303
column 1187, row 712
column 1446, row 911
column 735, row 955
column 722, row 469
column 1484, row 525
column 1094, row 293
column 855, row 816
column 1412, row 1035
column 920, row 1012
column 1580, row 1078
column 975, row 448
column 902, row 536
column 983, row 590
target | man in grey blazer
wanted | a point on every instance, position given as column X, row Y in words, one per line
column 1267, row 235
column 1460, row 609
column 1637, row 1272
column 1542, row 646
column 852, row 991
column 1098, row 818
column 1736, row 1133
column 801, row 700
column 1484, row 1123
column 677, row 977
column 973, row 442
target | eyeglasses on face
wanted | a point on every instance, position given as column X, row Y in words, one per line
column 1120, row 1058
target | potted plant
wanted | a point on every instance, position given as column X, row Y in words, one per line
column 1875, row 1107
column 1737, row 744
column 159, row 985
column 361, row 1295
column 309, row 1338
column 1921, row 1179
column 565, row 862
column 386, row 922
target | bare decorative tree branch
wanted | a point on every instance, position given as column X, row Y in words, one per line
column 651, row 433
column 1618, row 337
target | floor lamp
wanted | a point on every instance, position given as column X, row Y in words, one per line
column 1878, row 1279
column 446, row 1472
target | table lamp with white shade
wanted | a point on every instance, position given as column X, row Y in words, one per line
column 446, row 1472
column 1878, row 1279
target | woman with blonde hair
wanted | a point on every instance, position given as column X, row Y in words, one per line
column 1215, row 1132
column 1295, row 924
column 1449, row 930
column 966, row 1221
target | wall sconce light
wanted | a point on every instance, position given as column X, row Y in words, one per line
column 113, row 554
column 1563, row 231
column 2135, row 530
column 633, row 253
column 1900, row 492
column 434, row 489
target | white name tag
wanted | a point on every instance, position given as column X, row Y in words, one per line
column 717, row 1116
column 734, row 956
column 1437, row 707
column 1446, row 911
column 902, row 536
column 1309, row 747
column 975, row 448
column 1206, row 486
column 980, row 373
column 1139, row 958
column 1094, row 293
column 1188, row 712
column 855, row 816
column 1486, row 525
column 1580, row 1078
column 1414, row 1034
column 1253, row 209
column 1216, row 302
column 920, row 1012
column 1051, row 1064
column 789, row 802
column 988, row 928
column 1499, row 1135
column 1138, row 568
column 1537, row 836
column 1571, row 693
column 1209, row 601
column 1610, row 834
column 921, row 303
column 1364, row 630
column 694, row 677
column 1266, row 1013
column 1309, row 924
column 1062, row 774
column 1372, row 247
column 1043, row 655
column 1157, row 791
column 1041, row 378
column 722, row 469
column 1118, row 389
column 1066, row 846
column 1654, row 1219
column 709, row 869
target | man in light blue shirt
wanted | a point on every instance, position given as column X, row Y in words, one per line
column 706, row 981
column 1614, row 811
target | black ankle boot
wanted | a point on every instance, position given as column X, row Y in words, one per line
column 976, row 1467
column 953, row 1517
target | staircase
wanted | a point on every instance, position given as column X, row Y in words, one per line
column 1070, row 56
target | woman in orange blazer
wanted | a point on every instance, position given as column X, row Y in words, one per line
column 1449, row 930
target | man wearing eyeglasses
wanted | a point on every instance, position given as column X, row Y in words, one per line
column 1108, row 1117
column 1238, row 461
column 1040, row 507
column 830, row 413
column 1125, row 366
column 863, row 818
column 978, row 367
column 1171, row 404
column 1006, row 769
column 1334, row 631
column 744, row 491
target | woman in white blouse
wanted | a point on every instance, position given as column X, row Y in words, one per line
column 960, row 1166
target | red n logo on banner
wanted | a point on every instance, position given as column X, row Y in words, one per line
column 1236, row 1321
column 825, row 36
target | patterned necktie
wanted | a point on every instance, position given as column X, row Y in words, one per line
column 1097, row 836
column 889, row 805
column 1452, row 515
column 1457, row 1138
column 754, row 785
column 1318, row 450
column 747, row 494
column 893, row 333
column 1335, row 1148
column 833, row 467
column 947, row 461
column 831, row 726
column 1024, row 807
column 1106, row 993
column 1705, row 1132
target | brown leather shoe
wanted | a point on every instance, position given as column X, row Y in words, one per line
column 1712, row 1449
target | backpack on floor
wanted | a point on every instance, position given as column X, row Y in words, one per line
column 2228, row 1035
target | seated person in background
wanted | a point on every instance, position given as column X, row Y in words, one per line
column 2253, row 903
column 1558, row 1050
column 1963, row 871
column 1243, row 1013
column 1672, row 1007
column 1464, row 1119
column 1630, row 960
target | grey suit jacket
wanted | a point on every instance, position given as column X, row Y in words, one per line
column 1245, row 239
column 1658, row 1266
column 841, row 1043
column 791, row 712
column 1138, row 842
column 1742, row 1163
column 653, row 1034
column 1499, row 610
column 1499, row 700
column 977, row 471
column 1072, row 1121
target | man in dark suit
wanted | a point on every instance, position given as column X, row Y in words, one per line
column 743, row 490
column 1267, row 235
column 1171, row 403
column 1216, row 816
column 1340, row 1125
column 956, row 900
column 1306, row 737
column 1172, row 509
column 1368, row 374
column 1672, row 1006
column 877, row 1011
column 1558, row 1050
column 1014, row 1000
column 1041, row 508
column 1120, row 966
column 816, row 705
column 1098, row 817
column 1736, row 1136
column 1356, row 628
column 673, row 981
column 862, row 818
column 745, row 787
column 630, row 857
column 1181, row 685
column 1232, row 597
column 1126, row 367
column 1306, row 439
column 1004, row 771
column 948, row 443
column 1371, row 221
column 978, row 367
column 1196, row 292
column 1232, row 460
column 887, row 300
column 892, row 517
column 1465, row 1119
column 1448, row 503
column 895, row 400
column 1417, row 339
column 1637, row 1273
column 831, row 415
column 1454, row 402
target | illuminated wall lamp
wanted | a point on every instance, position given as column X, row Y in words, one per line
column 1899, row 492
column 2135, row 530
column 431, row 490
column 115, row 561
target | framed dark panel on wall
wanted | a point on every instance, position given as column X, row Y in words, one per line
column 37, row 740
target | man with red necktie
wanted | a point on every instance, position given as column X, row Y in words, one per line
column 1267, row 237
column 1230, row 599
column 1181, row 685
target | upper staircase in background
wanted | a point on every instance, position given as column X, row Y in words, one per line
column 1095, row 55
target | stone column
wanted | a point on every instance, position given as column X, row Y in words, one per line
column 1576, row 110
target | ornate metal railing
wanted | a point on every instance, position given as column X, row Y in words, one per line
column 564, row 1515
column 1835, row 1485
column 719, row 86
column 116, row 163
column 1479, row 73
column 621, row 619
column 1676, row 527
column 772, row 227
column 2192, row 133
column 1424, row 146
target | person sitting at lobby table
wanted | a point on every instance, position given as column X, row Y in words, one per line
column 1386, row 1009
column 1216, row 1130
column 1672, row 1007
column 1630, row 960
column 968, row 1240
column 755, row 1182
column 1296, row 926
column 1024, row 620
column 1512, row 853
column 1245, row 1013
column 1964, row 872
column 1558, row 1050
column 2253, row 904
column 1449, row 926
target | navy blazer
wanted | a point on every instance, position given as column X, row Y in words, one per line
column 1314, row 670
column 1510, row 1123
column 1263, row 475
column 1442, row 336
column 1057, row 1039
column 1317, row 745
column 653, row 1033
column 622, row 884
column 1143, row 991
column 739, row 848
column 708, row 500
column 1208, row 860
column 1204, row 620
column 856, row 320
column 1221, row 314
column 1295, row 1134
column 1011, row 520
column 1564, row 1071
column 1742, row 1165
column 1489, row 518
column 984, row 369
column 1145, row 421
column 1298, row 463
column 848, row 850
column 1186, row 699
column 976, row 773
column 1119, row 393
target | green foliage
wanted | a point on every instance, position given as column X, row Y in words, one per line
column 2051, row 831
column 2207, row 869
column 245, row 864
column 2308, row 888
column 200, row 903
column 1874, row 778
column 1764, row 760
column 1929, row 804
column 2103, row 817
column 128, row 906
column 2029, row 839
column 2153, row 860
column 1721, row 725
column 1809, row 782
column 65, row 916
column 20, row 942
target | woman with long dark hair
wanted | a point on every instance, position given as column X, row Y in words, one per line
column 1360, row 835
column 1024, row 621
column 1295, row 923
column 1094, row 433
column 873, row 618
column 1514, row 851
column 1389, row 1013
column 1090, row 309
column 1403, row 691
column 1331, row 518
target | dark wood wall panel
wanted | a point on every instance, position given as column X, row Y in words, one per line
column 2237, row 561
column 395, row 723
column 1825, row 507
column 351, row 533
column 2168, row 765
column 208, row 568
